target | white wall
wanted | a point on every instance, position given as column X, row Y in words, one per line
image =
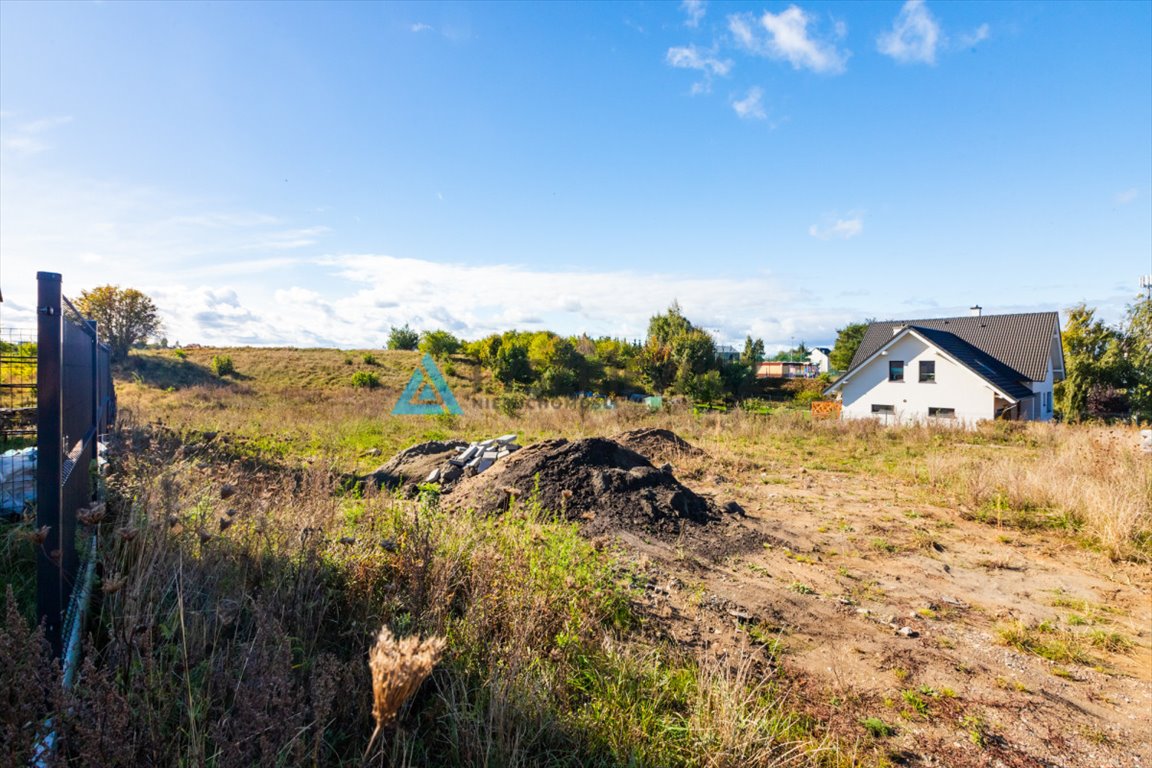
column 955, row 387
column 819, row 359
column 1042, row 408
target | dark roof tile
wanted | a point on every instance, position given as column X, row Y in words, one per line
column 1022, row 342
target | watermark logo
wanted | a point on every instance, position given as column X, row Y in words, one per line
column 427, row 393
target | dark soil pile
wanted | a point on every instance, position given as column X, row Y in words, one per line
column 659, row 445
column 597, row 481
column 413, row 465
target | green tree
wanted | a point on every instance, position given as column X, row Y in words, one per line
column 1137, row 350
column 510, row 365
column 753, row 352
column 125, row 316
column 403, row 338
column 848, row 341
column 664, row 329
column 439, row 343
column 1093, row 360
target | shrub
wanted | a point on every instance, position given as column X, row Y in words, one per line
column 370, row 359
column 510, row 403
column 222, row 365
column 403, row 338
column 365, row 379
column 179, row 354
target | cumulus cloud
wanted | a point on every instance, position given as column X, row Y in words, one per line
column 838, row 228
column 914, row 35
column 421, row 27
column 751, row 107
column 785, row 36
column 694, row 10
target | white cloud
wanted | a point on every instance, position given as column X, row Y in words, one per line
column 1127, row 196
column 691, row 57
column 750, row 107
column 914, row 35
column 694, row 10
column 27, row 138
column 838, row 228
column 421, row 27
column 974, row 38
column 785, row 36
column 296, row 295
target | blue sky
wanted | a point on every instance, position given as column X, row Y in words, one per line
column 312, row 174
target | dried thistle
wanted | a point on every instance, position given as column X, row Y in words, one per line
column 38, row 536
column 225, row 522
column 227, row 491
column 127, row 534
column 204, row 536
column 91, row 515
column 231, row 512
column 398, row 668
column 113, row 585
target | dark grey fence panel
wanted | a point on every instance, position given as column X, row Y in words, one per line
column 75, row 404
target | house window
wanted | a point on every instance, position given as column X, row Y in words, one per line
column 884, row 409
column 941, row 413
column 927, row 370
column 895, row 370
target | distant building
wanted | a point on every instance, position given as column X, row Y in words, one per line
column 820, row 357
column 955, row 369
column 783, row 369
column 726, row 353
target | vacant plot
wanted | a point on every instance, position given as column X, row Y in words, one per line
column 753, row 590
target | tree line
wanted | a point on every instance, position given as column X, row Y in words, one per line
column 1108, row 369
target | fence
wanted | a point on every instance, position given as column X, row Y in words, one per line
column 17, row 387
column 822, row 409
column 75, row 404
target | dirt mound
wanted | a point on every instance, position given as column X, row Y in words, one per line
column 597, row 481
column 413, row 465
column 659, row 445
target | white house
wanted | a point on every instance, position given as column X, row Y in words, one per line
column 955, row 369
column 819, row 357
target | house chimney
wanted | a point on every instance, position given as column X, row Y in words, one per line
column 976, row 310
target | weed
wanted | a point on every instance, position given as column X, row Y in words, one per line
column 802, row 589
column 877, row 727
column 365, row 380
column 1046, row 641
column 222, row 366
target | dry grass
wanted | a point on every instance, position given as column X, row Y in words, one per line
column 1086, row 479
column 398, row 669
column 233, row 630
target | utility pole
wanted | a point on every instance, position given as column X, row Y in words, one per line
column 1146, row 286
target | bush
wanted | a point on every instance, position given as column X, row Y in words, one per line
column 439, row 344
column 511, row 403
column 403, row 338
column 179, row 354
column 370, row 359
column 365, row 379
column 222, row 365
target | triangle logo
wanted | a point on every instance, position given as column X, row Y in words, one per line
column 427, row 393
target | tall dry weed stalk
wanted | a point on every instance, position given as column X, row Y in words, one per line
column 398, row 668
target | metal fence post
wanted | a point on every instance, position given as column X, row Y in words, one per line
column 50, row 599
